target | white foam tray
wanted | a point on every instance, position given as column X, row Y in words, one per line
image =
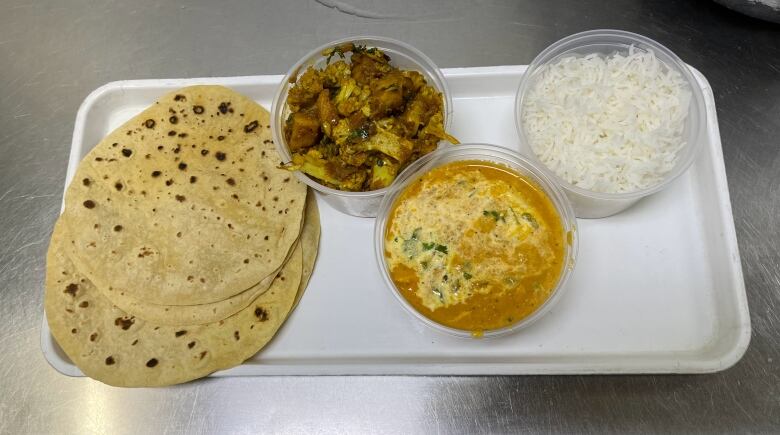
column 657, row 288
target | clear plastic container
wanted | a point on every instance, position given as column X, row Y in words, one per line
column 587, row 203
column 490, row 153
column 403, row 56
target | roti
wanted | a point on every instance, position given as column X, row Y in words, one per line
column 310, row 242
column 208, row 313
column 184, row 204
column 117, row 348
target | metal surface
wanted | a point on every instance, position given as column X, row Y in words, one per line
column 52, row 54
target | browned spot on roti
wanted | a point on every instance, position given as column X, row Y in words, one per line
column 191, row 344
column 261, row 314
column 86, row 181
column 250, row 127
column 149, row 123
column 93, row 336
column 110, row 361
column 124, row 322
column 180, row 333
column 151, row 363
column 84, row 304
column 71, row 289
column 89, row 203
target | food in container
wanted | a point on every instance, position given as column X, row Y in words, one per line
column 475, row 240
column 613, row 115
column 353, row 113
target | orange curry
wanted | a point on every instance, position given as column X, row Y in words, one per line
column 474, row 245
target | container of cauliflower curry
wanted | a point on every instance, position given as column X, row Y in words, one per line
column 350, row 118
column 476, row 246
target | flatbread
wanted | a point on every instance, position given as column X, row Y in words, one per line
column 310, row 242
column 118, row 349
column 208, row 313
column 184, row 204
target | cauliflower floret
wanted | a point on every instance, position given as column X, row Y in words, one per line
column 351, row 97
column 336, row 73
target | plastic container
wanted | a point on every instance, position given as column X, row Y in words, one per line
column 403, row 56
column 491, row 153
column 587, row 203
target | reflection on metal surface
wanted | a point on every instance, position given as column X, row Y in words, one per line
column 53, row 55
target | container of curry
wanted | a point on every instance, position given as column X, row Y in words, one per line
column 475, row 240
column 353, row 113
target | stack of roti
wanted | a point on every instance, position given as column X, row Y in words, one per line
column 182, row 247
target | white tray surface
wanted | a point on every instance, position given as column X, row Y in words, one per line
column 656, row 289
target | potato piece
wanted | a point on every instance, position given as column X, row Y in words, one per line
column 366, row 68
column 353, row 155
column 387, row 94
column 303, row 131
column 417, row 113
column 326, row 112
column 349, row 177
column 417, row 80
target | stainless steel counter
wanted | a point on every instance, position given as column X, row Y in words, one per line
column 52, row 54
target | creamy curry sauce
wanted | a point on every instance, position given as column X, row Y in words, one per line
column 474, row 246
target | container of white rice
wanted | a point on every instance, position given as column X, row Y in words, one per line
column 612, row 115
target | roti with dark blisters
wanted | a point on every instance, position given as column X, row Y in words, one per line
column 208, row 313
column 184, row 204
column 119, row 349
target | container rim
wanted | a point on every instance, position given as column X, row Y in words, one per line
column 626, row 39
column 495, row 154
